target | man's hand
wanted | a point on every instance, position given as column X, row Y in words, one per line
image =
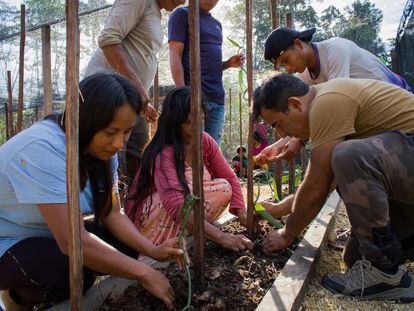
column 276, row 240
column 290, row 150
column 277, row 210
column 235, row 61
column 284, row 149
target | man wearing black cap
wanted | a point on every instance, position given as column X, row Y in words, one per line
column 318, row 62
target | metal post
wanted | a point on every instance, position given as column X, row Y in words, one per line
column 197, row 156
column 72, row 153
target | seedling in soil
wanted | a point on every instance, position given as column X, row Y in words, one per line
column 186, row 208
column 266, row 215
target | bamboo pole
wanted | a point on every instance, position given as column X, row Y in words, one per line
column 47, row 70
column 72, row 153
column 230, row 129
column 249, row 65
column 197, row 156
column 273, row 14
column 10, row 92
column 21, row 67
column 6, row 116
column 241, row 137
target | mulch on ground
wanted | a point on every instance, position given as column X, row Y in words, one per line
column 331, row 261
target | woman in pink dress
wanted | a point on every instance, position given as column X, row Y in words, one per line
column 164, row 179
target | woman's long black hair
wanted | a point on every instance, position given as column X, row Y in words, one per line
column 100, row 96
column 175, row 111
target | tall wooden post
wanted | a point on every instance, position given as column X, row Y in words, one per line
column 72, row 153
column 241, row 137
column 249, row 65
column 6, row 117
column 273, row 14
column 278, row 164
column 21, row 67
column 47, row 70
column 291, row 163
column 155, row 93
column 10, row 93
column 230, row 129
column 197, row 157
column 289, row 21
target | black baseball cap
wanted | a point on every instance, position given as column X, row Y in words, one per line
column 281, row 38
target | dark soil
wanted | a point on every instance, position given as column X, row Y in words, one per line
column 235, row 281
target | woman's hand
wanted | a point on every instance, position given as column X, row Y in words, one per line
column 167, row 251
column 235, row 242
column 242, row 216
column 159, row 286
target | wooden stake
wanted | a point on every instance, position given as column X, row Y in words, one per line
column 72, row 153
column 289, row 21
column 47, row 70
column 155, row 93
column 6, row 116
column 291, row 163
column 241, row 137
column 273, row 14
column 10, row 91
column 249, row 65
column 303, row 162
column 197, row 157
column 21, row 67
column 230, row 129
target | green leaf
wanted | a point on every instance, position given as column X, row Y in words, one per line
column 240, row 78
column 266, row 215
column 234, row 43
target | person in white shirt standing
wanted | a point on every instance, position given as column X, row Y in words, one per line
column 129, row 44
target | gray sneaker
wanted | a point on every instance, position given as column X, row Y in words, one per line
column 367, row 282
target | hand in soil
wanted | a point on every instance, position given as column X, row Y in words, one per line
column 242, row 217
column 275, row 241
column 235, row 242
column 158, row 285
column 167, row 251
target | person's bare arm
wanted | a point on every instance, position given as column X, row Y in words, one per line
column 309, row 199
column 176, row 52
column 102, row 257
column 115, row 55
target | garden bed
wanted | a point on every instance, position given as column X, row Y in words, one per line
column 230, row 275
column 234, row 280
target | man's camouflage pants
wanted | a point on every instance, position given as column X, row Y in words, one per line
column 375, row 177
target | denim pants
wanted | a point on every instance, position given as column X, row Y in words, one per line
column 214, row 121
